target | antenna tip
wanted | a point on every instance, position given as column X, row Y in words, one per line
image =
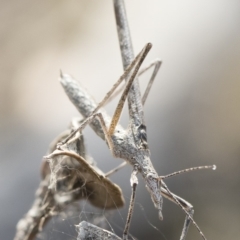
column 149, row 45
column 214, row 167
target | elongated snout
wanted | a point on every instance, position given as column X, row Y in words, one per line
column 153, row 186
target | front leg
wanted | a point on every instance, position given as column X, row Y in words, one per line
column 186, row 207
column 87, row 121
column 134, row 183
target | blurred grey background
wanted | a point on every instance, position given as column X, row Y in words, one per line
column 192, row 113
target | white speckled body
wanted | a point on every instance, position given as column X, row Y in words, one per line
column 125, row 143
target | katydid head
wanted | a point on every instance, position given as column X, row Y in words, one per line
column 153, row 185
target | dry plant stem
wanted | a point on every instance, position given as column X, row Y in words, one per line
column 99, row 190
column 40, row 212
column 135, row 106
column 93, row 185
column 89, row 231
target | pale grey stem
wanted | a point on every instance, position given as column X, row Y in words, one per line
column 123, row 33
column 134, row 97
column 40, row 212
column 88, row 231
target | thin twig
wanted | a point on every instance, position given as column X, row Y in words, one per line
column 124, row 36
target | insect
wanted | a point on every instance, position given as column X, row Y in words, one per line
column 72, row 176
column 129, row 144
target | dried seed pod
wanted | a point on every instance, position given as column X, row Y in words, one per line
column 70, row 175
